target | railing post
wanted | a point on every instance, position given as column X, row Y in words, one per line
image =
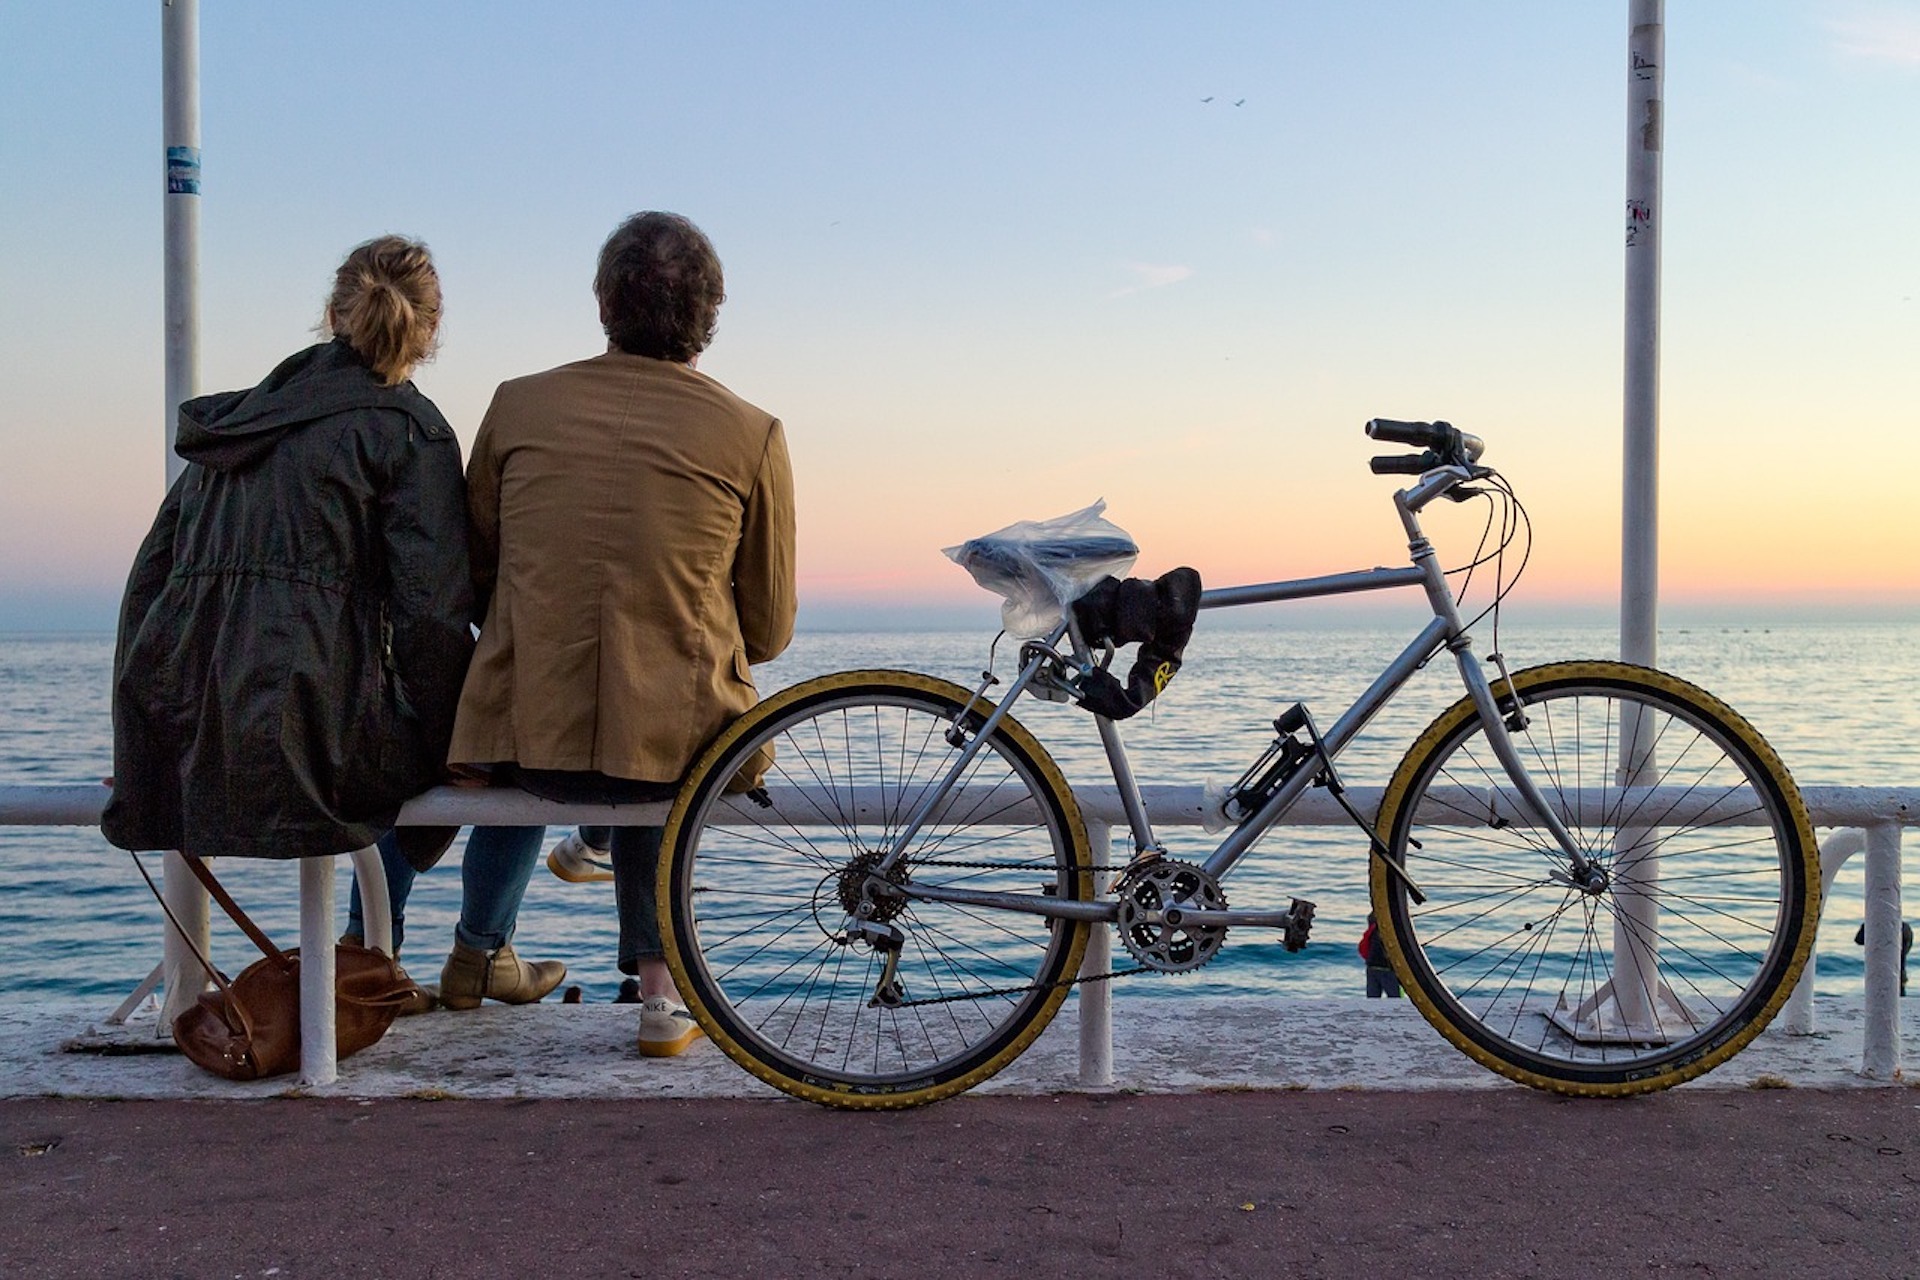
column 1880, row 1058
column 1797, row 1018
column 182, row 973
column 1096, row 998
column 376, row 911
column 319, row 1061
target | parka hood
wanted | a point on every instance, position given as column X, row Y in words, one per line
column 231, row 430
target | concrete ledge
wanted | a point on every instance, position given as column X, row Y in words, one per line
column 586, row 1051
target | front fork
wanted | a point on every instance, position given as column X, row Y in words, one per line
column 1582, row 872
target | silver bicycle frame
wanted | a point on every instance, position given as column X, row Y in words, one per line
column 1446, row 631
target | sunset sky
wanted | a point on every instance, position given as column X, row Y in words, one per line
column 993, row 261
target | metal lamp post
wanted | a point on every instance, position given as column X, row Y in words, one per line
column 180, row 128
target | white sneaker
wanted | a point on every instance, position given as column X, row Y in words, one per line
column 666, row 1028
column 576, row 861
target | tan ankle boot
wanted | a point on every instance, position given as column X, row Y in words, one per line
column 463, row 979
column 472, row 975
column 512, row 980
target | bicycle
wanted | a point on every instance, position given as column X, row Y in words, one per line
column 1591, row 877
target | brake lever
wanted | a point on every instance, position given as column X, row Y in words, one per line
column 1463, row 492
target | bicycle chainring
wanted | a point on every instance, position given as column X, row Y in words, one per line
column 1162, row 915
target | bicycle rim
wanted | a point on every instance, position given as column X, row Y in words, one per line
column 759, row 913
column 1706, row 916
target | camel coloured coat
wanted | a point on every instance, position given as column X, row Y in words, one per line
column 632, row 535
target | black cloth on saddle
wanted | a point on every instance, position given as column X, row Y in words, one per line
column 1158, row 615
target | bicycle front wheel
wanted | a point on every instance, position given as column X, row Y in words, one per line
column 757, row 901
column 1663, row 969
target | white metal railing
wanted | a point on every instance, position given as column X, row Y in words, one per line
column 1862, row 820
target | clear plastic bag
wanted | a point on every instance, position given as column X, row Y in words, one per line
column 1039, row 567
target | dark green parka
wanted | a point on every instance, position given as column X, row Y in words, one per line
column 296, row 626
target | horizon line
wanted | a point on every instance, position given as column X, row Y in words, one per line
column 97, row 616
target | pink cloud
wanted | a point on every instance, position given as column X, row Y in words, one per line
column 1148, row 276
column 1879, row 35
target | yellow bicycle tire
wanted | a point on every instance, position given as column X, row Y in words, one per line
column 810, row 704
column 1750, row 1009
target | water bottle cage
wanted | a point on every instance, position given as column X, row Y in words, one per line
column 1278, row 764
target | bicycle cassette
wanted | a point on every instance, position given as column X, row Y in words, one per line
column 1162, row 915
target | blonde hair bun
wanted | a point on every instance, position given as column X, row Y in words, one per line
column 386, row 304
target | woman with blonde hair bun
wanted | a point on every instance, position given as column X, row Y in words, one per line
column 295, row 629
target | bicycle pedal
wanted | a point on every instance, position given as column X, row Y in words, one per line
column 1299, row 926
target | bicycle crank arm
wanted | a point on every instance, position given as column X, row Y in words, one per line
column 1202, row 919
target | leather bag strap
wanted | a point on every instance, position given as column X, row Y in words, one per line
column 220, row 895
column 219, row 978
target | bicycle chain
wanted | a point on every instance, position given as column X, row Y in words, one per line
column 1031, row 986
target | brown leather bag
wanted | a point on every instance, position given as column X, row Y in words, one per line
column 249, row 1028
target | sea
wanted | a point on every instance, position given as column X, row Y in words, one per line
column 1837, row 700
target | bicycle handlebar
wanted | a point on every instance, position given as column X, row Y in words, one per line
column 1430, row 435
column 1445, row 444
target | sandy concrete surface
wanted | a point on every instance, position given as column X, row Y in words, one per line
column 1160, row 1045
column 1483, row 1183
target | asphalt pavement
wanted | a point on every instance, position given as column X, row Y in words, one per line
column 1239, row 1137
column 1777, row 1182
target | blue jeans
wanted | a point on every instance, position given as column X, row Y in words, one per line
column 1382, row 982
column 636, row 860
column 500, row 860
column 636, row 850
column 493, row 880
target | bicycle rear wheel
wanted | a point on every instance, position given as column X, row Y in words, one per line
column 757, row 902
column 1706, row 916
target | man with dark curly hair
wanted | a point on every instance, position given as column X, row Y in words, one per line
column 632, row 530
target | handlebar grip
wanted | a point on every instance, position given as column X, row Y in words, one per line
column 1448, row 443
column 1408, row 464
column 1431, row 435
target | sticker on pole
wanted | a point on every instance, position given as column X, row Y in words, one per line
column 183, row 171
